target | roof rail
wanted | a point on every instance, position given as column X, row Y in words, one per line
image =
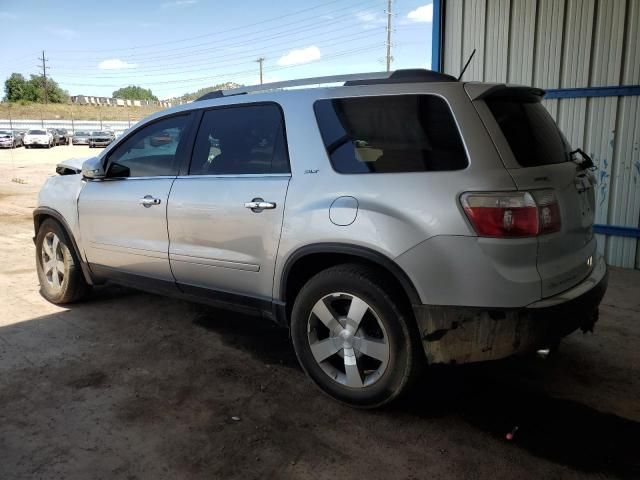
column 417, row 75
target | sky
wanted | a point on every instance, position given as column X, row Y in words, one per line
column 178, row 46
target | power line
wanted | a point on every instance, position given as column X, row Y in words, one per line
column 244, row 59
column 232, row 42
column 232, row 74
column 279, row 17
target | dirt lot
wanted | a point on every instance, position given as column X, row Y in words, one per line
column 130, row 385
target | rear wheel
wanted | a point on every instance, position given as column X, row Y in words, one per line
column 59, row 271
column 353, row 338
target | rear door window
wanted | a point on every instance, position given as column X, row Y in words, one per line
column 533, row 136
column 240, row 140
column 390, row 134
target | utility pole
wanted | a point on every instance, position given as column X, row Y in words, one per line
column 44, row 74
column 389, row 15
column 260, row 61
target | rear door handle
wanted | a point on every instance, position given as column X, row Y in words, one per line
column 258, row 204
column 148, row 201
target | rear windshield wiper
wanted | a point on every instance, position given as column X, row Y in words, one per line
column 586, row 163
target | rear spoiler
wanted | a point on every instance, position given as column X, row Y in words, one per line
column 479, row 91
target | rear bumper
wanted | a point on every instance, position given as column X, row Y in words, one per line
column 468, row 334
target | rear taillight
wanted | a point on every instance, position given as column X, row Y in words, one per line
column 512, row 214
column 548, row 211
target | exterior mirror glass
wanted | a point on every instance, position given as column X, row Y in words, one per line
column 93, row 169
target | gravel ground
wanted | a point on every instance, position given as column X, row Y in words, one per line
column 130, row 385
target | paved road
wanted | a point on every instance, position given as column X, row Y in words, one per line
column 131, row 385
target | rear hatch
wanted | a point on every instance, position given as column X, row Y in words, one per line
column 538, row 157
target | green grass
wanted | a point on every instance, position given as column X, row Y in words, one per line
column 60, row 111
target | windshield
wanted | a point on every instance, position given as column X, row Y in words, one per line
column 5, row 132
column 36, row 132
column 533, row 136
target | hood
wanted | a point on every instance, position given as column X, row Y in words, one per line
column 71, row 166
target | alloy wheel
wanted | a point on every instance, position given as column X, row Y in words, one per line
column 348, row 340
column 53, row 263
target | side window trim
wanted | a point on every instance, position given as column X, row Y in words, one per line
column 180, row 150
column 197, row 124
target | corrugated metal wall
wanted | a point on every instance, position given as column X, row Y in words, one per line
column 563, row 44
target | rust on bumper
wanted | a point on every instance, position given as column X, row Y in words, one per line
column 467, row 334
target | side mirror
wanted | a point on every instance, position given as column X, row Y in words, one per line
column 92, row 169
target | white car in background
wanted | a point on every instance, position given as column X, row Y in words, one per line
column 38, row 138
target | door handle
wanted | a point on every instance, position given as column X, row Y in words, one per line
column 258, row 204
column 148, row 201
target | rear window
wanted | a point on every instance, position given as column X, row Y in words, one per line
column 533, row 136
column 390, row 134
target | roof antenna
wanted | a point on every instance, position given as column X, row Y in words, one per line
column 467, row 64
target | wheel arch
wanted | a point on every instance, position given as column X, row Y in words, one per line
column 41, row 214
column 306, row 261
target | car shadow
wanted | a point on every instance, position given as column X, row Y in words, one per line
column 491, row 398
column 497, row 398
column 260, row 337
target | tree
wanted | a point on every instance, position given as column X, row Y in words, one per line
column 18, row 89
column 15, row 88
column 133, row 92
column 54, row 93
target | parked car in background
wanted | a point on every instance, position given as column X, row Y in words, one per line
column 19, row 134
column 101, row 139
column 9, row 139
column 63, row 135
column 401, row 219
column 80, row 137
column 55, row 135
column 38, row 138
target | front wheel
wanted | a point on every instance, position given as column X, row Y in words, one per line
column 59, row 271
column 353, row 337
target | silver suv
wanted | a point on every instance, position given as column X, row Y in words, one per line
column 391, row 222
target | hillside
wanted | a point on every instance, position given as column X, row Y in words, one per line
column 59, row 111
column 188, row 97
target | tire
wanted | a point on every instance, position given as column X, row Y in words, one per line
column 343, row 370
column 59, row 271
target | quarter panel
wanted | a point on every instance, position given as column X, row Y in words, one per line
column 474, row 272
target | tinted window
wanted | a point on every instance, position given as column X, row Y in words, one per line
column 389, row 134
column 240, row 140
column 533, row 136
column 151, row 151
